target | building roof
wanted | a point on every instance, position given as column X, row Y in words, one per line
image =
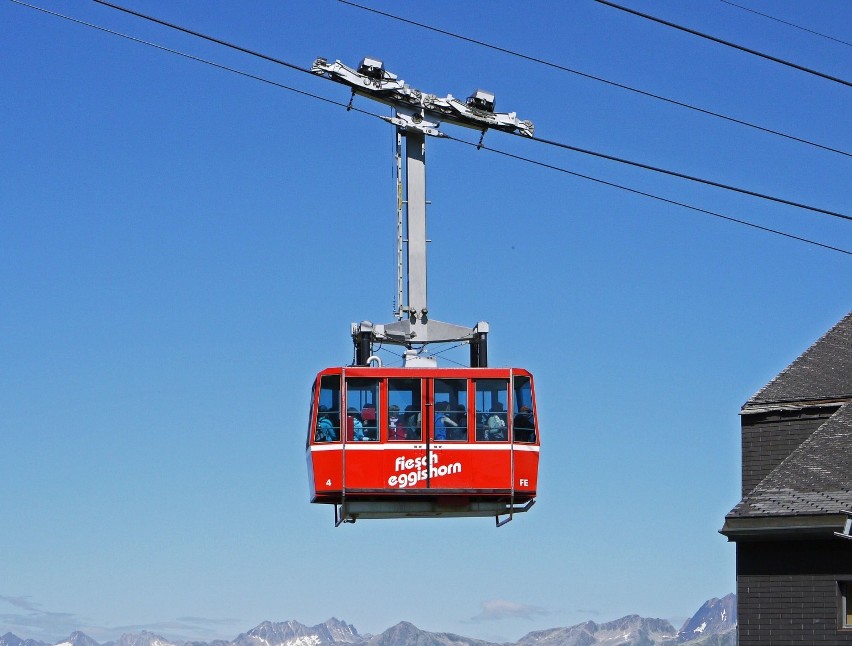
column 822, row 372
column 810, row 490
column 814, row 479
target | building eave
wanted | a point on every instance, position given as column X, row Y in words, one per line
column 769, row 407
column 783, row 527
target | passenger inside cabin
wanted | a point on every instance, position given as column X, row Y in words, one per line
column 368, row 417
column 496, row 423
column 412, row 423
column 396, row 428
column 325, row 432
column 354, row 426
column 444, row 424
column 460, row 416
column 523, row 426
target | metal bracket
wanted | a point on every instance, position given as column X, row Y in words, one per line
column 512, row 510
column 340, row 516
column 371, row 80
column 847, row 528
column 406, row 122
column 500, row 523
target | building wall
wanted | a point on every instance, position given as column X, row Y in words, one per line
column 768, row 438
column 787, row 592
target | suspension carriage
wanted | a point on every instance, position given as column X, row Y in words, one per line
column 421, row 441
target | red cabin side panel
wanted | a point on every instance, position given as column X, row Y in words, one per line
column 381, row 467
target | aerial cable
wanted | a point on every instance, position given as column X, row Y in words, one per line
column 727, row 43
column 784, row 22
column 462, row 141
column 592, row 77
column 545, row 141
column 195, row 58
column 646, row 194
column 692, row 178
column 302, row 69
column 204, row 36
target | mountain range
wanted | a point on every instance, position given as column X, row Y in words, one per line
column 713, row 625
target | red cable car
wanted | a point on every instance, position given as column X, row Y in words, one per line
column 423, row 442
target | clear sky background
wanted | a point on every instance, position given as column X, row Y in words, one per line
column 183, row 248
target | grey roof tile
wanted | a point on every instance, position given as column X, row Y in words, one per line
column 823, row 371
column 815, row 479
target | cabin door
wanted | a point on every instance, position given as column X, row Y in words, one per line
column 405, row 461
column 458, row 461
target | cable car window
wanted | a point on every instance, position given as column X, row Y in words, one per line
column 523, row 420
column 362, row 396
column 491, row 417
column 450, row 409
column 404, row 410
column 328, row 410
column 313, row 426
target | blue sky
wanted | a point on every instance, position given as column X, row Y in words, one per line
column 183, row 248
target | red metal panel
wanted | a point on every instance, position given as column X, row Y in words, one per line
column 526, row 469
column 363, row 464
column 471, row 466
column 326, row 471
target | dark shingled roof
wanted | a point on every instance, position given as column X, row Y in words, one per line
column 815, row 479
column 823, row 371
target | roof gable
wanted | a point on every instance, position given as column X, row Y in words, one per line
column 822, row 372
column 815, row 479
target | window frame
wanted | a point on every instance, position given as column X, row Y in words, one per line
column 521, row 384
column 350, row 385
column 507, row 387
column 403, row 412
column 317, row 402
column 844, row 605
column 464, row 401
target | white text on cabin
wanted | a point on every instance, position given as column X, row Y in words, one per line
column 418, row 472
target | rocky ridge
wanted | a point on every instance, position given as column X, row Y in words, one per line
column 713, row 625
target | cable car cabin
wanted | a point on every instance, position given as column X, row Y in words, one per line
column 423, row 442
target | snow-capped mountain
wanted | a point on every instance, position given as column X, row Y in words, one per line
column 292, row 633
column 713, row 625
column 715, row 617
column 78, row 639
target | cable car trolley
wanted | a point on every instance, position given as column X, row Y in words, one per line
column 421, row 441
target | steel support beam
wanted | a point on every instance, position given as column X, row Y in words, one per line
column 415, row 187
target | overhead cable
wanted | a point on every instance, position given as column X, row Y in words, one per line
column 349, row 106
column 546, row 141
column 204, row 36
column 185, row 55
column 789, row 24
column 592, row 77
column 693, row 178
column 302, row 69
column 646, row 194
column 727, row 43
